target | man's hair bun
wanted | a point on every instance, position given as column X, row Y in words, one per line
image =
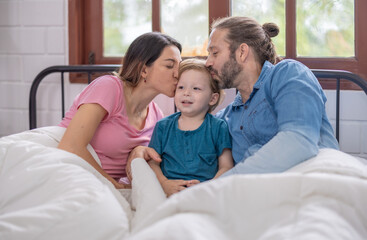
column 271, row 29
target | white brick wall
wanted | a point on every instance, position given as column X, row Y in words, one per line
column 353, row 120
column 33, row 36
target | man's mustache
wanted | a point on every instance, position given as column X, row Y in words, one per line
column 211, row 69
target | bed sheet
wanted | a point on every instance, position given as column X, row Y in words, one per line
column 47, row 193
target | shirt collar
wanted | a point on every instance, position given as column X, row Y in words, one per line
column 264, row 72
column 237, row 100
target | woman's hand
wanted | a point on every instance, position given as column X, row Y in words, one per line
column 146, row 153
column 119, row 185
column 174, row 186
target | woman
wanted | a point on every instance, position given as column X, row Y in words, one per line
column 116, row 113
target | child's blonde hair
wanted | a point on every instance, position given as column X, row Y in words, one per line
column 199, row 65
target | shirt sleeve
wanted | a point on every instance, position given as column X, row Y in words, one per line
column 298, row 101
column 156, row 140
column 104, row 91
column 282, row 152
column 224, row 138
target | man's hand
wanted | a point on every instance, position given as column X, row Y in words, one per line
column 174, row 186
column 141, row 152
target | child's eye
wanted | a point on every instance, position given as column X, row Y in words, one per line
column 196, row 88
column 179, row 87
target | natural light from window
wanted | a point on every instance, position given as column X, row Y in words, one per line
column 325, row 28
column 188, row 22
column 263, row 12
column 123, row 21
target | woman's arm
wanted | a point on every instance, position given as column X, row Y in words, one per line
column 80, row 132
column 225, row 162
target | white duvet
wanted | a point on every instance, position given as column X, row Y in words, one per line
column 46, row 193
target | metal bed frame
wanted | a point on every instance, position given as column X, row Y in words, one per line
column 90, row 69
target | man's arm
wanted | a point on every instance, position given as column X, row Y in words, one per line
column 282, row 152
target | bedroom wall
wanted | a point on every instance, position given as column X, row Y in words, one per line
column 33, row 36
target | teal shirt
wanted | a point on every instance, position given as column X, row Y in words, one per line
column 193, row 154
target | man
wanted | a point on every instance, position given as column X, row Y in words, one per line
column 278, row 117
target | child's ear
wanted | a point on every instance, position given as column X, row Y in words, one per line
column 214, row 99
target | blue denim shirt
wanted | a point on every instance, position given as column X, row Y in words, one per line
column 282, row 123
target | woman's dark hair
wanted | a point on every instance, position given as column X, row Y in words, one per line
column 144, row 50
column 249, row 31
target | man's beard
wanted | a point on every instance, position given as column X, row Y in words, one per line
column 230, row 70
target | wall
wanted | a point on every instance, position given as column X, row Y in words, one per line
column 33, row 36
column 353, row 120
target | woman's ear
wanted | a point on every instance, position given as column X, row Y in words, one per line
column 144, row 72
column 214, row 99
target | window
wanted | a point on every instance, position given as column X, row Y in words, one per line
column 96, row 35
column 187, row 21
column 321, row 34
column 264, row 11
column 325, row 28
column 123, row 21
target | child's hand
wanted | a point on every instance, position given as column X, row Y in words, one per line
column 192, row 183
column 174, row 186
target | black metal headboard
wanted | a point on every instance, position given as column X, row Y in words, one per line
column 90, row 69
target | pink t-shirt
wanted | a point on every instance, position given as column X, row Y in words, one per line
column 114, row 137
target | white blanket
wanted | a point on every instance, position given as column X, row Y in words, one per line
column 46, row 193
column 322, row 198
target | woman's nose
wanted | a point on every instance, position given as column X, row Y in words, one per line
column 175, row 73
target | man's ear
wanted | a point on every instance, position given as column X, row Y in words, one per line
column 214, row 99
column 244, row 50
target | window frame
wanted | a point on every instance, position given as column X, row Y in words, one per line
column 86, row 37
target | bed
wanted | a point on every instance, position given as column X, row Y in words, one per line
column 47, row 193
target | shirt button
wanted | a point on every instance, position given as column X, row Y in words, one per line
column 246, row 106
column 241, row 127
